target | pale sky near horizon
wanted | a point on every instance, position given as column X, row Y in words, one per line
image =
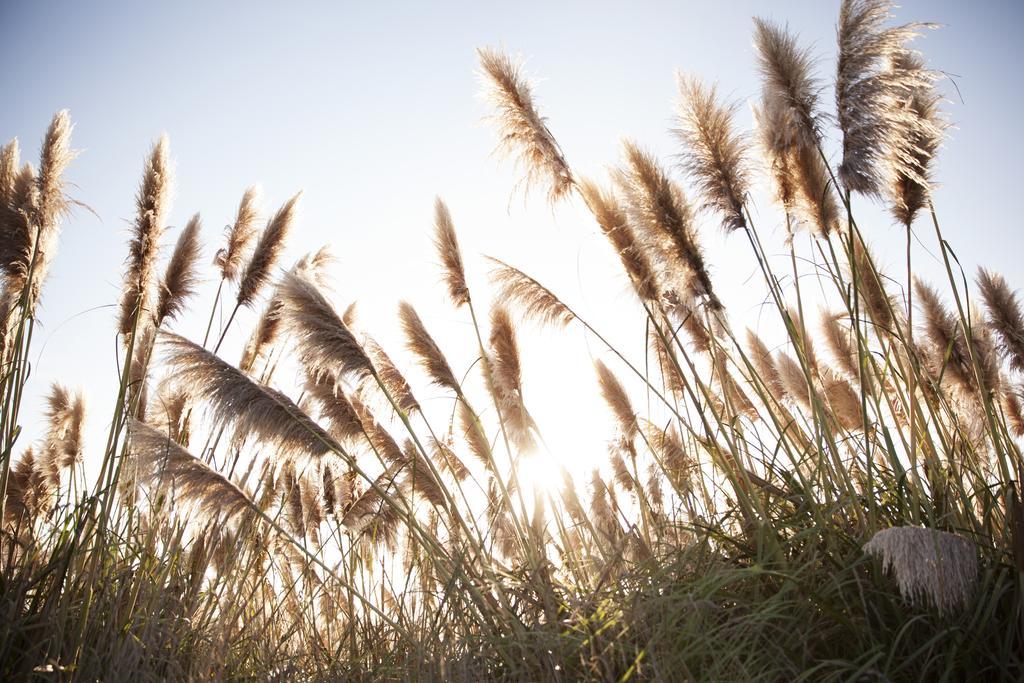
column 372, row 109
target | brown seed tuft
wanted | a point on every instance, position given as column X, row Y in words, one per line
column 618, row 400
column 920, row 133
column 521, row 129
column 182, row 276
column 65, row 413
column 390, row 376
column 447, row 244
column 325, row 343
column 534, row 299
column 765, row 367
column 1004, row 316
column 153, row 203
column 868, row 94
column 162, row 460
column 252, row 408
column 426, row 350
column 787, row 79
column 474, row 436
column 239, row 235
column 506, row 379
column 615, row 226
column 660, row 210
column 931, row 566
column 714, row 153
column 267, row 252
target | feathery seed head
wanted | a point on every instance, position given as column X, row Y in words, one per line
column 786, row 70
column 950, row 355
column 152, row 204
column 239, row 235
column 817, row 205
column 777, row 139
column 390, row 376
column 793, row 379
column 1013, row 409
column 842, row 399
column 677, row 461
column 474, row 436
column 267, row 252
column 182, row 275
column 1004, row 316
column 426, row 350
column 534, row 299
column 263, row 336
column 871, row 283
column 921, row 129
column 931, row 566
column 765, row 367
column 169, row 412
column 252, row 408
column 840, row 340
column 10, row 164
column 162, row 460
column 447, row 244
column 659, row 208
column 521, row 129
column 506, row 379
column 714, row 154
column 421, row 479
column 30, row 491
column 65, row 413
column 314, row 266
column 53, row 161
column 447, row 460
column 790, row 127
column 869, row 92
column 17, row 238
column 325, row 343
column 614, row 224
column 334, row 407
column 31, row 207
column 618, row 400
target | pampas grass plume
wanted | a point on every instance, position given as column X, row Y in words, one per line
column 930, row 566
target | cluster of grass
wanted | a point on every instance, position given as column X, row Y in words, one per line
column 840, row 503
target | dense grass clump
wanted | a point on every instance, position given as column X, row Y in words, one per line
column 838, row 503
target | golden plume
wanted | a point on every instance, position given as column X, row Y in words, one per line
column 447, row 244
column 252, row 408
column 239, row 235
column 614, row 224
column 1004, row 316
column 506, row 379
column 153, row 203
column 521, row 129
column 325, row 342
column 182, row 276
column 868, row 91
column 787, row 79
column 534, row 299
column 266, row 252
column 426, row 350
column 931, row 566
column 162, row 460
column 714, row 154
column 658, row 207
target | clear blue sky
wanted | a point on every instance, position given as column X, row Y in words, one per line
column 372, row 109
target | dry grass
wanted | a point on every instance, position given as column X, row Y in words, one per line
column 836, row 501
